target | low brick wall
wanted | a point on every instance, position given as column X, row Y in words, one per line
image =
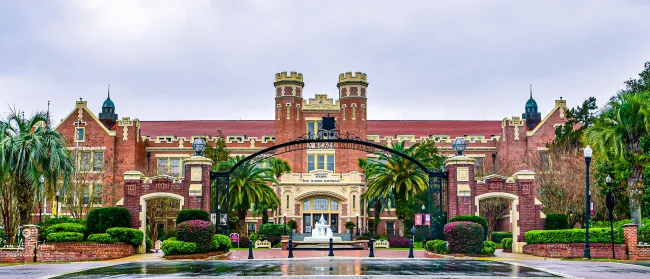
column 576, row 250
column 71, row 251
column 643, row 252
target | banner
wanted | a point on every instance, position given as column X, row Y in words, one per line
column 418, row 219
column 427, row 219
column 592, row 212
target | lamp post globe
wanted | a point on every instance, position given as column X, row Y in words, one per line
column 199, row 146
column 459, row 146
column 587, row 152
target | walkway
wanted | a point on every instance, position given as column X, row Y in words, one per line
column 279, row 254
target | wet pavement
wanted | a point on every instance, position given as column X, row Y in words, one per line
column 315, row 267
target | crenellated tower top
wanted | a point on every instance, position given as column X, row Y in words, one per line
column 348, row 78
column 288, row 78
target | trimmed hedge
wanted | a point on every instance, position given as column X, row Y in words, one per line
column 476, row 219
column 61, row 219
column 506, row 244
column 488, row 248
column 272, row 229
column 292, row 224
column 556, row 222
column 148, row 244
column 596, row 235
column 65, row 237
column 437, row 246
column 221, row 242
column 126, row 235
column 192, row 214
column 464, row 237
column 65, row 227
column 198, row 231
column 172, row 246
column 101, row 238
column 497, row 237
column 104, row 218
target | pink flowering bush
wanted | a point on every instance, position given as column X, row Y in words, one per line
column 464, row 237
column 398, row 242
column 198, row 231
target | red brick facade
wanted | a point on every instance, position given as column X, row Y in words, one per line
column 576, row 250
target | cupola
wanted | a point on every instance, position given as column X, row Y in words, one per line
column 531, row 114
column 108, row 117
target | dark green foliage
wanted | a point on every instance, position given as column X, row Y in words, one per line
column 362, row 237
column 643, row 234
column 148, row 243
column 437, row 246
column 274, row 239
column 104, row 218
column 65, row 237
column 221, row 242
column 126, row 235
column 567, row 136
column 556, row 222
column 272, row 229
column 506, row 244
column 464, row 237
column 101, row 238
column 192, row 214
column 349, row 225
column 471, row 218
column 488, row 248
column 292, row 224
column 65, row 227
column 596, row 235
column 243, row 242
column 172, row 246
column 197, row 231
column 642, row 84
column 498, row 236
column 61, row 219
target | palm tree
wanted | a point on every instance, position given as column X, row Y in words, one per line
column 392, row 175
column 378, row 203
column 30, row 150
column 279, row 167
column 249, row 185
column 620, row 130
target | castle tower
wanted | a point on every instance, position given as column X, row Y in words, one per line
column 353, row 116
column 532, row 116
column 289, row 122
column 108, row 117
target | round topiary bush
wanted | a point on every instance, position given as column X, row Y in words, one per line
column 221, row 242
column 476, row 219
column 192, row 214
column 173, row 246
column 65, row 237
column 506, row 244
column 64, row 227
column 104, row 218
column 556, row 222
column 464, row 237
column 197, row 231
column 126, row 235
column 399, row 242
column 437, row 246
column 489, row 248
column 101, row 238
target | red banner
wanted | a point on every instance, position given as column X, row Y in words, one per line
column 592, row 212
column 418, row 219
column 427, row 219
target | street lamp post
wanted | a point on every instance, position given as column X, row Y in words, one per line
column 423, row 222
column 588, row 152
column 285, row 223
column 357, row 223
column 610, row 208
column 40, row 198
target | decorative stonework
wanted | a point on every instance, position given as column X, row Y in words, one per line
column 321, row 103
column 462, row 174
column 516, row 122
column 196, row 173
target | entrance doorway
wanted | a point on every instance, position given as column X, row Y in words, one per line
column 315, row 207
column 330, row 218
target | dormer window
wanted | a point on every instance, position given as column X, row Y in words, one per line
column 80, row 134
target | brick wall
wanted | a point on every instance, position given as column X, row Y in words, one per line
column 576, row 250
column 82, row 251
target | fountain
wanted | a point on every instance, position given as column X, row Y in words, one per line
column 321, row 232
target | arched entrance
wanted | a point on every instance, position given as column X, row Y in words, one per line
column 143, row 208
column 321, row 204
column 513, row 214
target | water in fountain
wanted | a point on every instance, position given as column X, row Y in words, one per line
column 321, row 232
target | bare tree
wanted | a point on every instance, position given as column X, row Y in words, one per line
column 160, row 210
column 493, row 209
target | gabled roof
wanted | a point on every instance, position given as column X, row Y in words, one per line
column 82, row 105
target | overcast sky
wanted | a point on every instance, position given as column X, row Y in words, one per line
column 174, row 60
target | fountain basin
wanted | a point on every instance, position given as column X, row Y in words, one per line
column 323, row 240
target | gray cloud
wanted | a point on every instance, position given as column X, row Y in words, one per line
column 216, row 60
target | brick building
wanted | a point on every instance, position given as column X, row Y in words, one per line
column 323, row 182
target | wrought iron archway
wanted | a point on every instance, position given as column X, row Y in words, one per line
column 326, row 137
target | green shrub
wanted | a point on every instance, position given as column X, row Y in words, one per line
column 172, row 246
column 272, row 229
column 243, row 242
column 437, row 246
column 498, row 236
column 274, row 239
column 556, row 222
column 101, row 238
column 192, row 214
column 65, row 237
column 476, row 219
column 506, row 244
column 221, row 242
column 292, row 224
column 65, row 227
column 349, row 225
column 596, row 235
column 49, row 221
column 488, row 248
column 197, row 231
column 254, row 236
column 362, row 237
column 643, row 234
column 645, row 222
column 464, row 237
column 148, row 244
column 104, row 218
column 126, row 235
column 366, row 234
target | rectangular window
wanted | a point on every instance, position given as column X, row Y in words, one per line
column 307, row 205
column 97, row 193
column 86, row 195
column 371, row 226
column 98, row 161
column 390, row 228
column 310, row 162
column 321, row 161
column 80, row 134
column 251, row 227
column 320, row 204
column 287, row 202
column 330, row 162
column 84, row 158
column 310, row 129
column 544, row 160
column 354, row 201
column 174, row 167
column 335, row 205
column 478, row 166
column 162, row 166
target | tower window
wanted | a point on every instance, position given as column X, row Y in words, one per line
column 320, row 162
column 80, row 134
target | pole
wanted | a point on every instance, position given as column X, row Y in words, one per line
column 422, row 227
column 411, row 249
column 331, row 253
column 357, row 225
column 218, row 207
column 611, row 224
column 372, row 248
column 40, row 202
column 587, row 254
column 431, row 180
column 285, row 226
column 290, row 248
column 250, row 249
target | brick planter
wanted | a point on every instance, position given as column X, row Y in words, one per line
column 576, row 250
column 68, row 251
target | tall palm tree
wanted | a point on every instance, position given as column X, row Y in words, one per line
column 278, row 167
column 393, row 175
column 379, row 203
column 620, row 130
column 31, row 150
column 249, row 185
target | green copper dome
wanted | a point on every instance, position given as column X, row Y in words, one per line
column 531, row 103
column 108, row 103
